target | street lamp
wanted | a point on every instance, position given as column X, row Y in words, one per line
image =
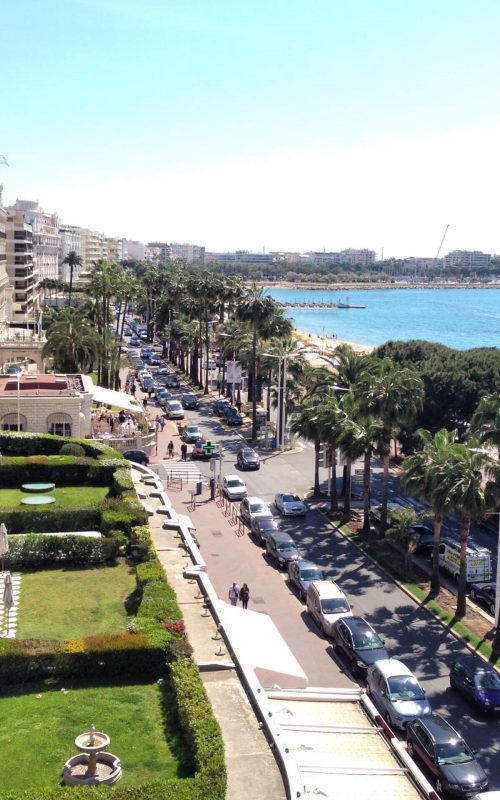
column 18, row 401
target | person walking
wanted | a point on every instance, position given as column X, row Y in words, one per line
column 184, row 449
column 244, row 595
column 145, row 401
column 170, row 449
column 234, row 591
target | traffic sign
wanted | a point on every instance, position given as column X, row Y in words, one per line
column 209, row 448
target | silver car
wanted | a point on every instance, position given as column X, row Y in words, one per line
column 396, row 692
column 290, row 505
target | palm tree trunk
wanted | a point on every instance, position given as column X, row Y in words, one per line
column 347, row 491
column 462, row 580
column 317, row 487
column 254, row 382
column 366, row 491
column 385, row 484
column 207, row 352
column 435, row 577
column 334, row 498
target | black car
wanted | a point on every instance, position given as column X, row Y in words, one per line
column 478, row 682
column 281, row 549
column 137, row 456
column 445, row 756
column 219, row 406
column 246, row 458
column 261, row 527
column 190, row 401
column 486, row 594
column 358, row 642
column 232, row 416
column 422, row 539
column 172, row 381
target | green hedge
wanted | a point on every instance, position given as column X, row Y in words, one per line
column 31, row 550
column 29, row 444
column 122, row 481
column 61, row 470
column 51, row 520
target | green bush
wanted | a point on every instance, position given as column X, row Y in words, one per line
column 32, row 550
column 61, row 470
column 122, row 481
column 141, row 543
column 51, row 520
column 72, row 449
column 28, row 444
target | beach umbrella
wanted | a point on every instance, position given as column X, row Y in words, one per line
column 8, row 596
column 4, row 543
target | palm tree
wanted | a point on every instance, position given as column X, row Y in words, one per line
column 402, row 523
column 464, row 485
column 307, row 424
column 71, row 341
column 395, row 395
column 256, row 308
column 421, row 471
column 485, row 422
column 360, row 437
column 72, row 260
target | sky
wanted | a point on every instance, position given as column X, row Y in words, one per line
column 289, row 125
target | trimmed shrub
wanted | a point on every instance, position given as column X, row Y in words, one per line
column 26, row 444
column 31, row 550
column 141, row 543
column 51, row 520
column 122, row 481
column 61, row 470
column 72, row 449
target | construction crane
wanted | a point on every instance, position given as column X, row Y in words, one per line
column 441, row 245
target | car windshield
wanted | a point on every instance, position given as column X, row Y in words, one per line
column 267, row 524
column 235, row 482
column 290, row 498
column 453, row 752
column 367, row 641
column 487, row 680
column 310, row 575
column 256, row 508
column 248, row 454
column 334, row 605
column 405, row 687
column 284, row 546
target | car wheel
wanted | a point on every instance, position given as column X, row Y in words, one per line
column 492, row 609
column 353, row 666
column 439, row 786
column 410, row 748
column 472, row 594
column 453, row 685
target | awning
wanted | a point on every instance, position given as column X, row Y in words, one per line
column 109, row 397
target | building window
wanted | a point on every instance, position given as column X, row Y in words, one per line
column 59, row 424
column 9, row 422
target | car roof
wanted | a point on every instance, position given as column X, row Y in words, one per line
column 392, row 667
column 327, row 588
column 281, row 536
column 232, row 478
column 473, row 663
column 438, row 728
column 254, row 499
column 304, row 563
column 356, row 623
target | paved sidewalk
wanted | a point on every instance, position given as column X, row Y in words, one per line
column 252, row 769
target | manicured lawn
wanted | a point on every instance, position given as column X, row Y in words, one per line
column 66, row 496
column 66, row 603
column 39, row 723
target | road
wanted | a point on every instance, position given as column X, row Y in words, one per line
column 411, row 634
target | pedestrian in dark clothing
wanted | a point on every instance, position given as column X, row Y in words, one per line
column 132, row 390
column 244, row 595
column 145, row 402
column 150, row 392
column 184, row 449
column 170, row 449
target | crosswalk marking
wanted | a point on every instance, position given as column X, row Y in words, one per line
column 186, row 470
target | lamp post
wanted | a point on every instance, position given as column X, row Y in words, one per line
column 18, row 403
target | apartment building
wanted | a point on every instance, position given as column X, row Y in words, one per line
column 161, row 251
column 473, row 259
column 45, row 229
column 22, row 270
column 135, row 250
column 93, row 248
column 115, row 250
column 5, row 289
column 187, row 252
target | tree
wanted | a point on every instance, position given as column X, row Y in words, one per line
column 256, row 308
column 402, row 523
column 464, row 485
column 307, row 424
column 485, row 422
column 71, row 341
column 394, row 395
column 360, row 437
column 72, row 260
column 421, row 472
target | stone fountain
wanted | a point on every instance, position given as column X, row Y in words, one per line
column 92, row 766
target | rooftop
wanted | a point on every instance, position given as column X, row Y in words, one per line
column 41, row 385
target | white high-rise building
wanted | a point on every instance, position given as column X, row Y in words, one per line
column 5, row 288
column 46, row 237
column 22, row 271
column 70, row 242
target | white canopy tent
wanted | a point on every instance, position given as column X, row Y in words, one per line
column 120, row 399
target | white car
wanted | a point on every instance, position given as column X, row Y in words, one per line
column 253, row 507
column 233, row 487
column 396, row 692
column 290, row 505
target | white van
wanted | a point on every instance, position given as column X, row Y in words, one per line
column 174, row 409
column 477, row 562
column 326, row 603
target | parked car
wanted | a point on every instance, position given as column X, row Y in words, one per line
column 281, row 549
column 246, row 458
column 261, row 527
column 164, row 371
column 326, row 603
column 300, row 575
column 172, row 381
column 479, row 682
column 422, row 539
column 446, row 756
column 485, row 593
column 192, row 433
column 252, row 507
column 219, row 405
column 174, row 409
column 155, row 360
column 396, row 692
column 148, row 383
column 233, row 487
column 232, row 416
column 135, row 341
column 190, row 401
column 290, row 505
column 356, row 640
column 137, row 456
column 198, row 451
column 165, row 397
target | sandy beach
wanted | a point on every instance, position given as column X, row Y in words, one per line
column 326, row 345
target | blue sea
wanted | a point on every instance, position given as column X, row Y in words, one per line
column 459, row 318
